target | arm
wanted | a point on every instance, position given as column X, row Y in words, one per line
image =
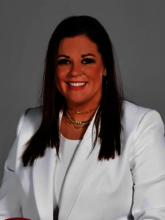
column 9, row 202
column 148, row 168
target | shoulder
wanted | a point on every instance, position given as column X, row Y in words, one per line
column 34, row 114
column 134, row 111
column 30, row 119
column 27, row 125
column 135, row 115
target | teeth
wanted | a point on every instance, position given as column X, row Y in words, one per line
column 76, row 84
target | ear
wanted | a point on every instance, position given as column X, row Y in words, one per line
column 104, row 72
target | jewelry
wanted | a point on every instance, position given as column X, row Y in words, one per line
column 73, row 125
column 105, row 73
column 77, row 122
column 70, row 121
column 106, row 81
column 81, row 112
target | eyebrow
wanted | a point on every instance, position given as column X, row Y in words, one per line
column 84, row 55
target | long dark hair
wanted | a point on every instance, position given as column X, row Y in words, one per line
column 110, row 111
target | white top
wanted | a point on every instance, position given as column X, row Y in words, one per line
column 131, row 186
column 66, row 153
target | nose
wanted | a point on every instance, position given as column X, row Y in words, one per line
column 76, row 69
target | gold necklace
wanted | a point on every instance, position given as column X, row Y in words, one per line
column 81, row 112
column 76, row 122
column 70, row 121
column 73, row 125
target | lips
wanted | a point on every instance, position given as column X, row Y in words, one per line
column 76, row 85
column 76, row 82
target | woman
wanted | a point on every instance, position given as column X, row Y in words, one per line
column 86, row 153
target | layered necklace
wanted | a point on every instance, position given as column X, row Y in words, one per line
column 72, row 123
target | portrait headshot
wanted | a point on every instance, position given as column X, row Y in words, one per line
column 82, row 111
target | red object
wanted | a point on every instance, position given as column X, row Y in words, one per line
column 18, row 218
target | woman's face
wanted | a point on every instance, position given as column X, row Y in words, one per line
column 79, row 62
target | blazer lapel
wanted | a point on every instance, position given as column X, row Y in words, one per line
column 78, row 172
column 43, row 179
column 43, row 173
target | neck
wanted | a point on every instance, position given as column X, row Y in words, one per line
column 80, row 108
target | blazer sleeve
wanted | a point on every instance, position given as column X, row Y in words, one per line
column 9, row 202
column 148, row 168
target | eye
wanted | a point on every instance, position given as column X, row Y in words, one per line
column 87, row 61
column 62, row 62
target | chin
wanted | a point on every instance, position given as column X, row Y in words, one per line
column 76, row 101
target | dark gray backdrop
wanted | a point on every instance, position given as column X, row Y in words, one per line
column 136, row 29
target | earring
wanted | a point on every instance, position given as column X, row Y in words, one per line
column 106, row 79
column 105, row 73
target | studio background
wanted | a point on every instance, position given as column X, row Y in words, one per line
column 136, row 29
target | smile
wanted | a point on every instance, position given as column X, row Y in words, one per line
column 76, row 86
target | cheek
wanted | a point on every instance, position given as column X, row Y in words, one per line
column 95, row 75
column 60, row 82
column 62, row 70
column 60, row 76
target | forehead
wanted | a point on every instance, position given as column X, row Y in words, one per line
column 77, row 44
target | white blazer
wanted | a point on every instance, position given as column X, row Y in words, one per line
column 131, row 186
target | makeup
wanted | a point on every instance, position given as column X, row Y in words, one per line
column 76, row 86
